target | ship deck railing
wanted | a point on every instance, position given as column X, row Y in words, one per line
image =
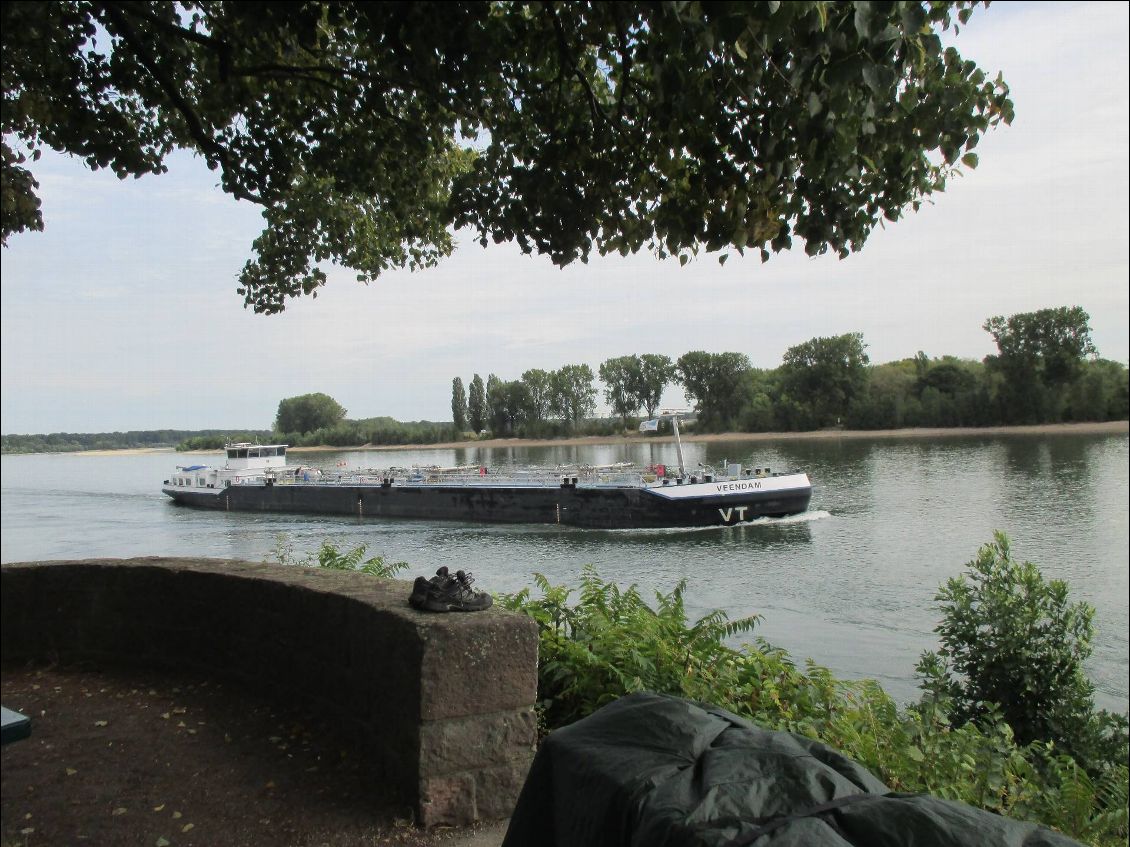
column 600, row 477
column 492, row 479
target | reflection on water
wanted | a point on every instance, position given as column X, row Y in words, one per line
column 851, row 583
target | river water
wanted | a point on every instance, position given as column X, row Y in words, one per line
column 850, row 584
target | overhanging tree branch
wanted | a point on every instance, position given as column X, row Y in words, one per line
column 215, row 153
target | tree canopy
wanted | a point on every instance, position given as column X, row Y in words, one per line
column 655, row 372
column 1040, row 353
column 458, row 405
column 621, row 376
column 826, row 375
column 307, row 413
column 716, row 382
column 1050, row 343
column 574, row 395
column 477, row 404
column 368, row 132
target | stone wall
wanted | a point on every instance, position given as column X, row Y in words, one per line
column 442, row 703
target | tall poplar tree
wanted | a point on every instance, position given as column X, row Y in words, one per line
column 477, row 404
column 458, row 405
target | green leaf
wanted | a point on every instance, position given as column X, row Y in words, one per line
column 353, row 170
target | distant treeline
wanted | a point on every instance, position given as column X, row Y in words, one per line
column 217, row 439
column 382, row 430
column 70, row 442
column 387, row 431
column 1047, row 370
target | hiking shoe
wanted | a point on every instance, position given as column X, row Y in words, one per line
column 423, row 585
column 419, row 592
column 455, row 594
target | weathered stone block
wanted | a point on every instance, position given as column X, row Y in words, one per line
column 448, row 800
column 483, row 663
column 493, row 787
column 460, row 744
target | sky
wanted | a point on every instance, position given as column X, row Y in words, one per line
column 123, row 314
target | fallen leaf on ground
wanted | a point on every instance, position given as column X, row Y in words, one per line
column 187, row 827
column 121, row 810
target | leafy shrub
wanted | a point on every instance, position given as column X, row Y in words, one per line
column 1011, row 641
column 610, row 642
column 329, row 557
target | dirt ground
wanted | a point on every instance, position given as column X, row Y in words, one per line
column 130, row 758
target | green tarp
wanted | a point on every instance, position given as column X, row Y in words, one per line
column 655, row 771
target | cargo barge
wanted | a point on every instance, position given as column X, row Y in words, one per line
column 257, row 478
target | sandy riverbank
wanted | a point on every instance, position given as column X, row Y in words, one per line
column 1109, row 427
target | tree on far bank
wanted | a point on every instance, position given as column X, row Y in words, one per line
column 307, row 413
column 508, row 402
column 826, row 375
column 718, row 385
column 656, row 372
column 621, row 377
column 1039, row 354
column 574, row 393
column 458, row 405
column 496, row 405
column 1101, row 393
column 368, row 133
column 476, row 405
column 539, row 391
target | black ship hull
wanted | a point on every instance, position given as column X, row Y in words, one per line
column 593, row 507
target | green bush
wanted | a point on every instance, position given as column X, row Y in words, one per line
column 331, row 558
column 610, row 642
column 1012, row 642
